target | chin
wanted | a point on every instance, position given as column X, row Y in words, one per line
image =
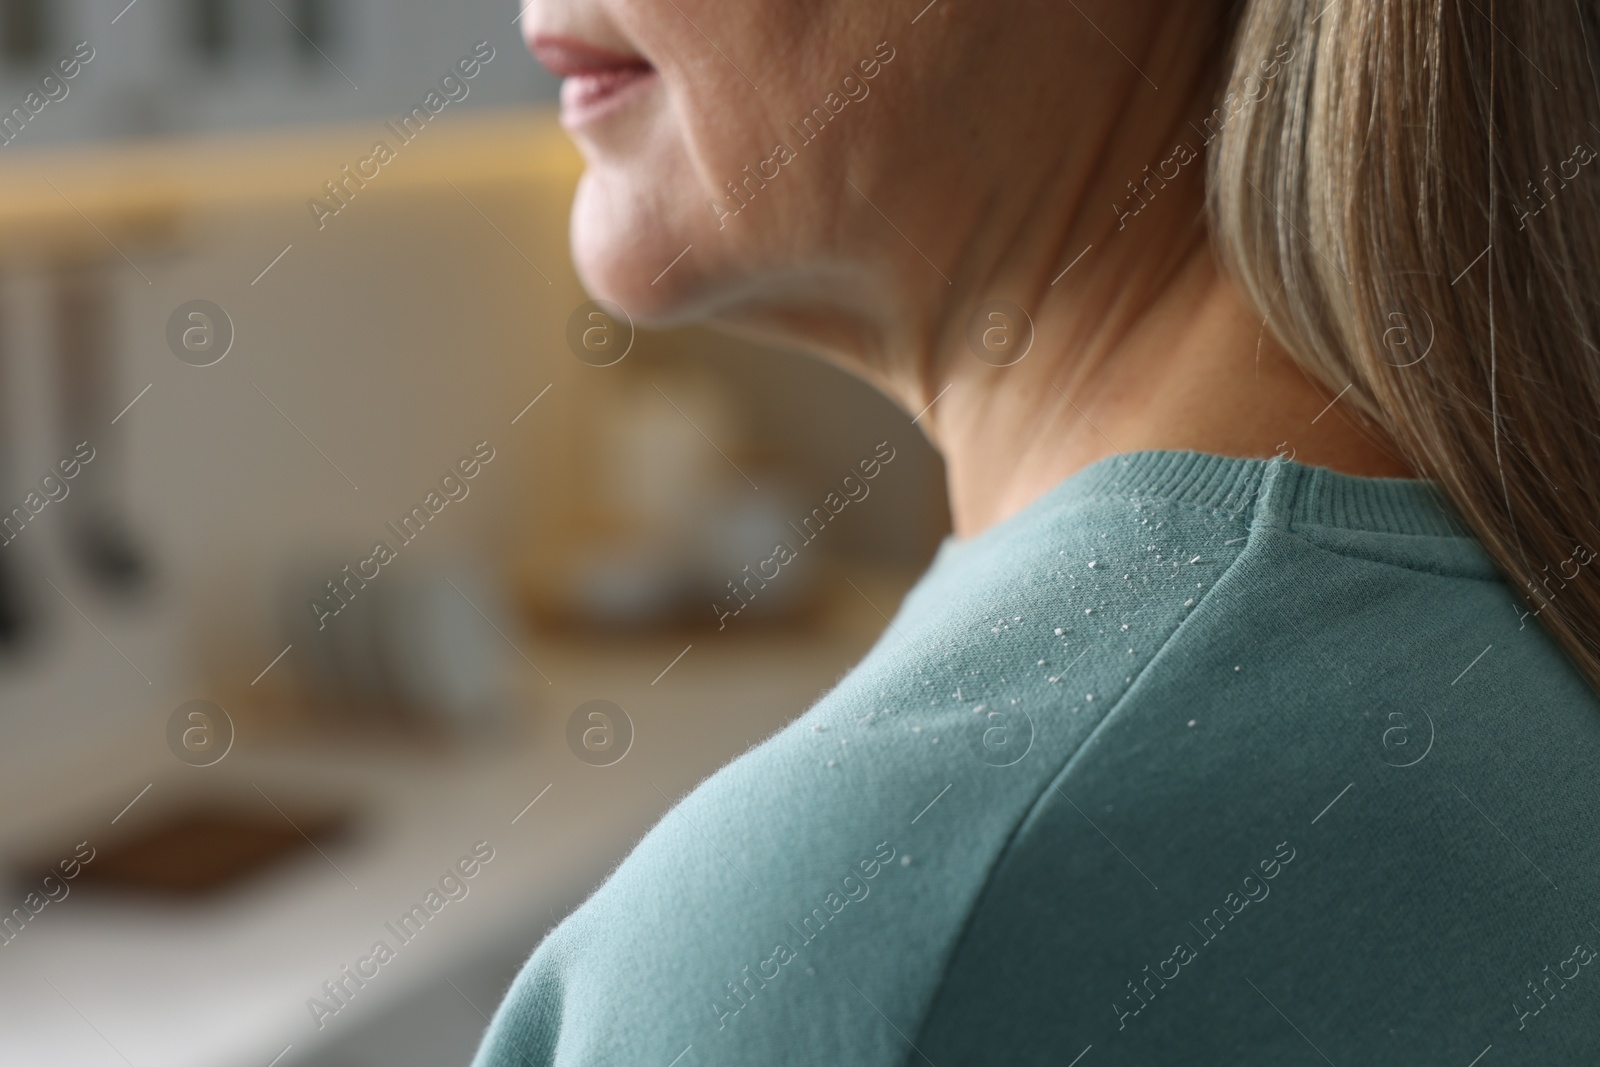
column 626, row 232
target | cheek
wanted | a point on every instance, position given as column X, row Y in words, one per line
column 653, row 174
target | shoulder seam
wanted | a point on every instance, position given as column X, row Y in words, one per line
column 1061, row 772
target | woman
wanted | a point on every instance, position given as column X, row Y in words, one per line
column 1247, row 716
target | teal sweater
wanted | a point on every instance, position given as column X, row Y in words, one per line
column 1196, row 760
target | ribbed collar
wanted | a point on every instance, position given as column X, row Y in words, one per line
column 1275, row 492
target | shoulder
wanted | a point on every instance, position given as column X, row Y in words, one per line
column 1336, row 723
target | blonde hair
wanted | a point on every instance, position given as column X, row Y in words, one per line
column 1414, row 206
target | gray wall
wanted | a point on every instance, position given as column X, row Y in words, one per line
column 152, row 75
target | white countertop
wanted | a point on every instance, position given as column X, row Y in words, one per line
column 226, row 982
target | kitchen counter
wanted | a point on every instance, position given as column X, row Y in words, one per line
column 101, row 978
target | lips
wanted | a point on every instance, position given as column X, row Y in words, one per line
column 597, row 81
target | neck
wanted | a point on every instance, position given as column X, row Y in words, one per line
column 1139, row 343
column 1186, row 366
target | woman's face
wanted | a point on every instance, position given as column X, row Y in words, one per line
column 770, row 161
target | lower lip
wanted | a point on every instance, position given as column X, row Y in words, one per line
column 587, row 98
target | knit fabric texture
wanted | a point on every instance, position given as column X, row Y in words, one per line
column 1194, row 760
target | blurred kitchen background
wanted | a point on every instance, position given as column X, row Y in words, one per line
column 214, row 405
